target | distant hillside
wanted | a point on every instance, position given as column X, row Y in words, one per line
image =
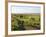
column 27, row 14
column 35, row 13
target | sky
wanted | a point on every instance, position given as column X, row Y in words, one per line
column 26, row 9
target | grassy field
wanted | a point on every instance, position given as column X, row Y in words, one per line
column 29, row 22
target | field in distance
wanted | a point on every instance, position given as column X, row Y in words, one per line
column 25, row 22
